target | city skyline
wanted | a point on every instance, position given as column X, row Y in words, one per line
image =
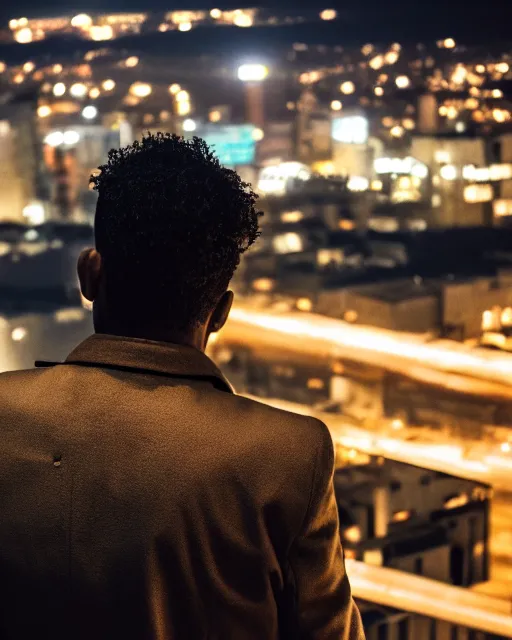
column 364, row 20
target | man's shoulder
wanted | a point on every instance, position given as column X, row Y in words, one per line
column 17, row 381
column 275, row 418
column 8, row 378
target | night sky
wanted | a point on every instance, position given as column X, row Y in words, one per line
column 388, row 18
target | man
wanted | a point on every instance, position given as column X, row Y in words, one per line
column 140, row 498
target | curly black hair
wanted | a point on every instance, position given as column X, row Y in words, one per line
column 171, row 224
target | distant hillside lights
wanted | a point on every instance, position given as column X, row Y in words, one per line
column 328, row 14
column 81, row 21
column 141, row 89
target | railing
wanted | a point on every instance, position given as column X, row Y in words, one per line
column 432, row 601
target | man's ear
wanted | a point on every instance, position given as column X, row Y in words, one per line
column 89, row 273
column 221, row 312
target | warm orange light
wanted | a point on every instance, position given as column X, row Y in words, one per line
column 328, row 14
column 304, row 304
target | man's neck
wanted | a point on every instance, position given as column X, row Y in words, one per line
column 193, row 338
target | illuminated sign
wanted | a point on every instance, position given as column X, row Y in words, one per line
column 485, row 174
column 233, row 144
column 350, row 129
column 404, row 166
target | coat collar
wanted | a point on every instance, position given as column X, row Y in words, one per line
column 146, row 356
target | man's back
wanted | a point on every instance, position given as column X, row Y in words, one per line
column 141, row 499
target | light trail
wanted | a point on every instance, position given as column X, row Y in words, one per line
column 443, row 363
column 447, row 458
column 392, row 588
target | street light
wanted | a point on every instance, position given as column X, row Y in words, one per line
column 253, row 76
column 252, row 72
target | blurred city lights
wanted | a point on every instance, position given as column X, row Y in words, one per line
column 350, row 130
column 141, row 89
column 252, row 72
column 328, row 14
column 28, row 67
column 57, row 68
column 304, row 304
column 449, row 43
column 183, row 108
column 108, row 85
column 215, row 116
column 448, row 172
column 358, row 183
column 216, row 14
column 391, row 57
column 500, row 115
column 347, row 87
column 81, row 21
column 3, row 67
column 402, row 82
column 379, row 91
column 18, row 78
column 243, row 20
column 34, row 213
column 89, row 112
column 59, row 89
column 54, row 139
column 189, row 125
column 397, row 131
column 174, row 89
column 44, row 111
column 131, row 62
column 94, row 93
column 101, row 32
column 24, row 36
column 377, row 62
column 182, row 96
column 185, row 26
column 336, row 105
column 71, row 137
column 18, row 334
column 78, row 90
column 258, row 134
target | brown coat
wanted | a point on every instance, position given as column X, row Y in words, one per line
column 141, row 499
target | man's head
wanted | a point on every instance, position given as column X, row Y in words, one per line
column 171, row 224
